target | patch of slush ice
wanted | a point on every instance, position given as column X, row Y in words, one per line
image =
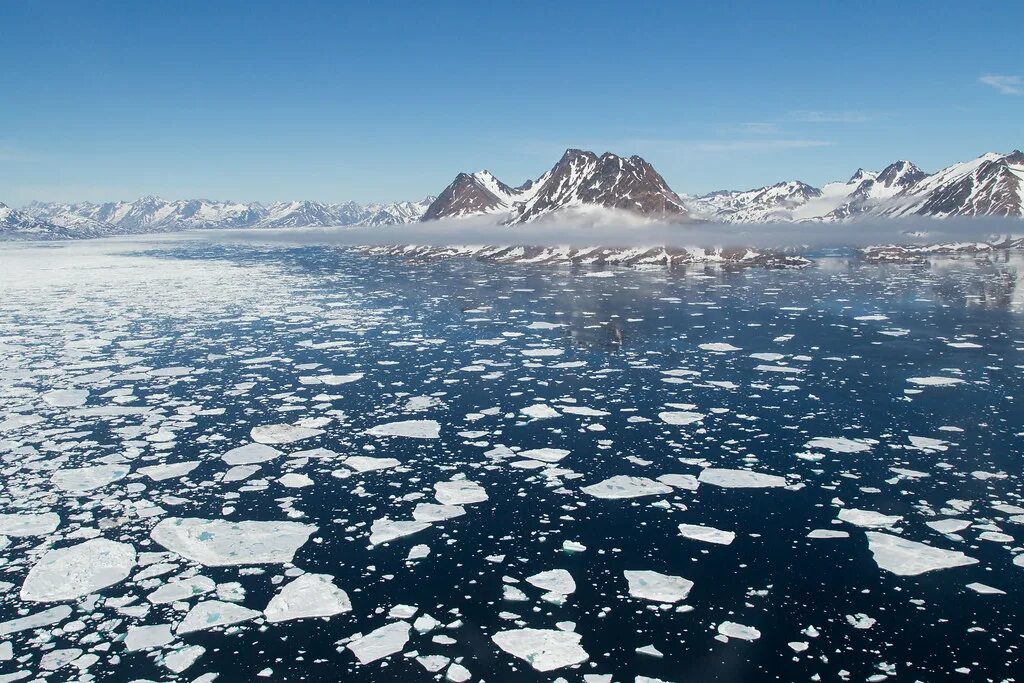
column 412, row 429
column 624, row 486
column 459, row 492
column 657, row 587
column 77, row 570
column 213, row 613
column 81, row 479
column 282, row 433
column 381, row 642
column 250, row 454
column 543, row 649
column 739, row 479
column 218, row 542
column 708, row 534
column 29, row 524
column 310, row 595
column 910, row 558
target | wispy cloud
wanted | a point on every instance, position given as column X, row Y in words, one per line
column 1005, row 85
column 814, row 116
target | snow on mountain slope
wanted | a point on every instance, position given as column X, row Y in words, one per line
column 580, row 180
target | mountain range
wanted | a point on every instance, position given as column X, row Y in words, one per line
column 580, row 182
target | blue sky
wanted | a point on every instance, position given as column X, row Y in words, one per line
column 383, row 101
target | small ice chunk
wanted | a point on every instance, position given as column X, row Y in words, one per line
column 657, row 587
column 381, row 642
column 934, row 381
column 839, row 444
column 77, row 570
column 310, row 595
column 182, row 658
column 949, row 526
column 828, row 533
column 295, row 480
column 557, row 581
column 543, row 649
column 985, row 590
column 718, row 347
column 910, row 558
column 418, row 552
column 544, row 454
column 680, row 417
column 366, row 463
column 623, row 486
column 539, row 411
column 172, row 470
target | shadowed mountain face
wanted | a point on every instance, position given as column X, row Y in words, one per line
column 580, row 180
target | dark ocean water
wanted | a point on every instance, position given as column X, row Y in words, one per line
column 247, row 323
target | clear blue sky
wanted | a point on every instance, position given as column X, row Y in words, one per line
column 381, row 101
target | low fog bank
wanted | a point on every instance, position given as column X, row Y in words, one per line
column 622, row 229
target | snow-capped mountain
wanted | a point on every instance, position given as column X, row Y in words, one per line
column 991, row 185
column 16, row 224
column 152, row 214
column 580, row 180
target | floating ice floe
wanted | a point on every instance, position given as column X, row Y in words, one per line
column 949, row 526
column 148, row 637
column 250, row 454
column 543, row 649
column 47, row 617
column 172, row 470
column 412, row 429
column 624, row 486
column 294, row 480
column 657, row 587
column 740, row 479
column 77, row 570
column 66, row 398
column 434, row 512
column 459, row 492
column 910, row 558
column 935, row 381
column 839, row 444
column 828, row 533
column 27, row 524
column 686, row 482
column 556, row 581
column 544, row 454
column 331, row 380
column 367, row 463
column 82, row 479
column 386, row 529
column 985, row 589
column 218, row 542
column 708, row 534
column 867, row 518
column 542, row 353
column 540, row 411
column 718, row 347
column 310, row 595
column 214, row 613
column 182, row 658
column 682, row 417
column 731, row 629
column 381, row 642
column 181, row 590
column 282, row 433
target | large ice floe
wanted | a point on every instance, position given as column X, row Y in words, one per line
column 910, row 558
column 310, row 595
column 657, row 587
column 624, row 486
column 77, row 570
column 411, row 429
column 218, row 542
column 543, row 649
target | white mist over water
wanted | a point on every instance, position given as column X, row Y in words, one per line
column 621, row 229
